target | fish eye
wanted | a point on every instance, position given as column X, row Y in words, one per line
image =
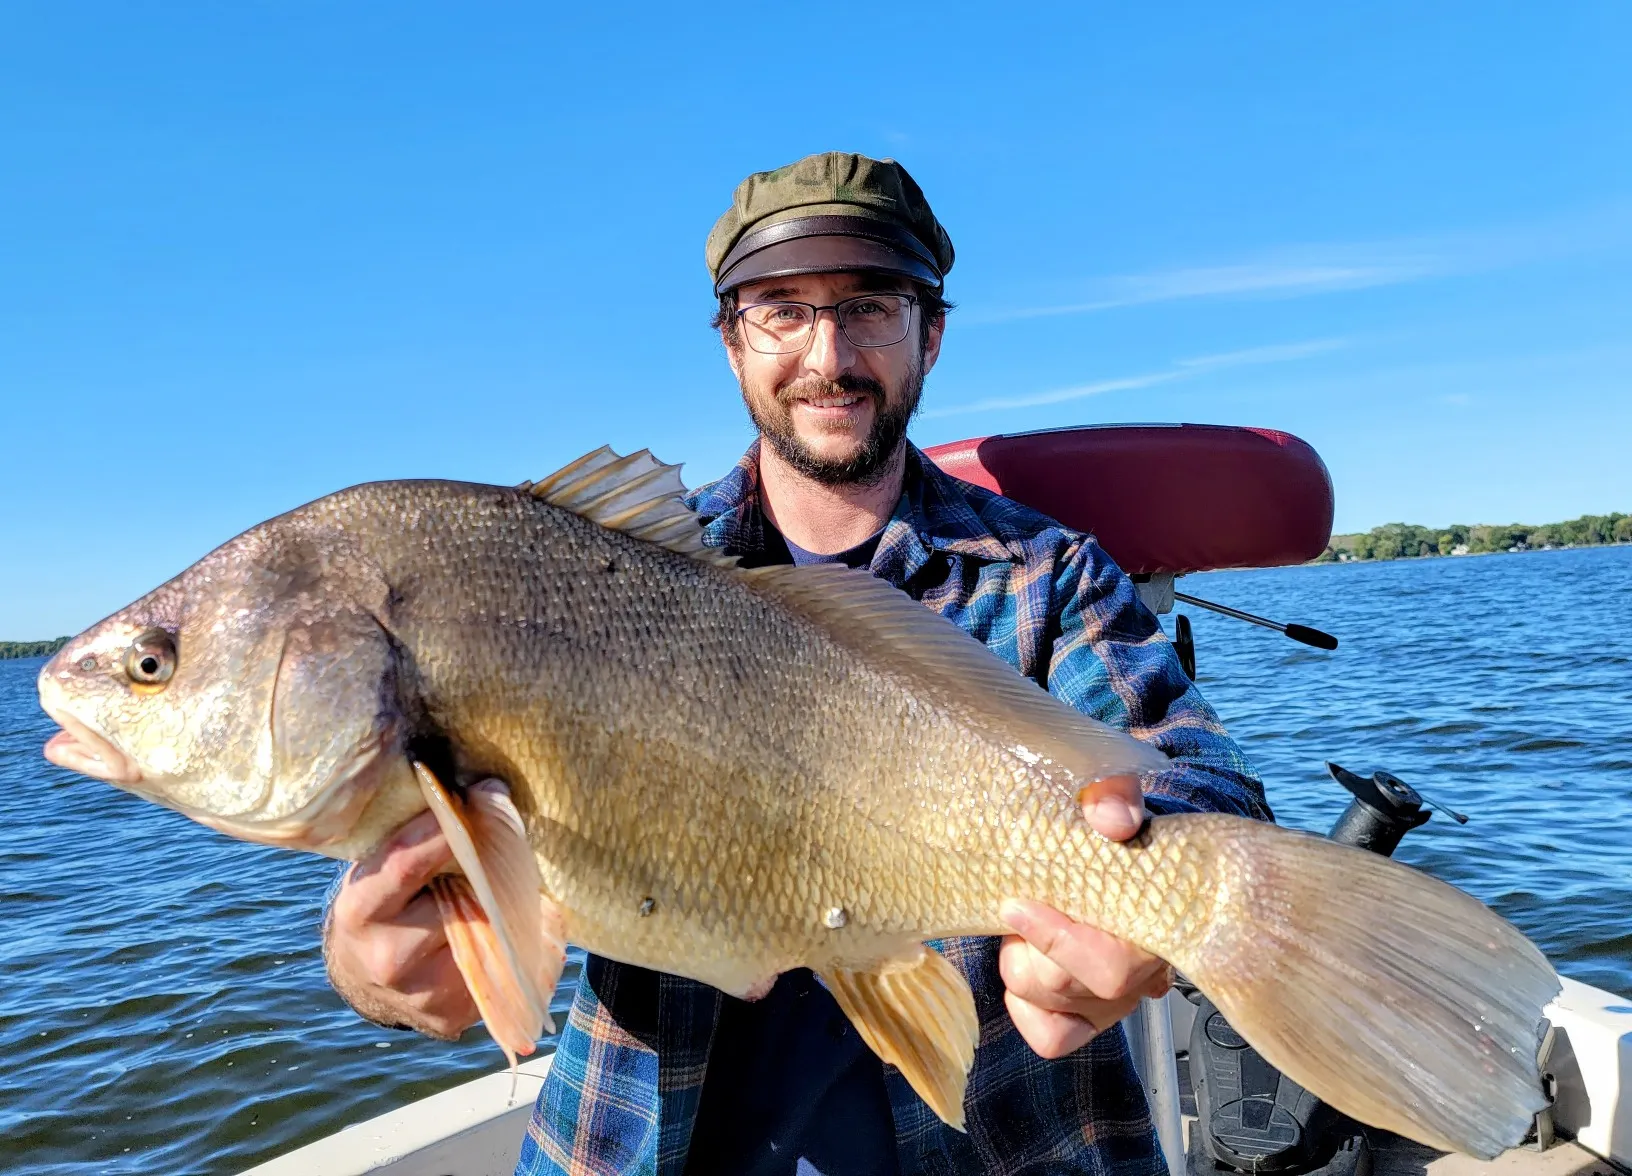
column 151, row 659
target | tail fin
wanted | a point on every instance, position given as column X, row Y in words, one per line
column 1392, row 996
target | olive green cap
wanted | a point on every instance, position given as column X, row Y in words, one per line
column 828, row 213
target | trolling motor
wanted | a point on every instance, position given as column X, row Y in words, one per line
column 1249, row 1116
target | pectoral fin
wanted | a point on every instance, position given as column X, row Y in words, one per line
column 919, row 1016
column 507, row 938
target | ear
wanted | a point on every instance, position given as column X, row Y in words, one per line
column 733, row 355
column 932, row 344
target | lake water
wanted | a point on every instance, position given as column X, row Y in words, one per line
column 163, row 1007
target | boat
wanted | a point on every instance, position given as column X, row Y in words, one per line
column 1164, row 501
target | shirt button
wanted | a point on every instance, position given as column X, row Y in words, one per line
column 838, row 1027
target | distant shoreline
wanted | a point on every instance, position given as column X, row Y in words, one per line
column 1410, row 541
column 16, row 649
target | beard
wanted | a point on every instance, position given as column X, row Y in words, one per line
column 870, row 463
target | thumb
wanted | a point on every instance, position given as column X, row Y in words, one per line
column 1114, row 807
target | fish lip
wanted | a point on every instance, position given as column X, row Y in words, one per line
column 324, row 820
column 81, row 748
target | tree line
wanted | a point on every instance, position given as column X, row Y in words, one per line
column 1409, row 541
column 31, row 648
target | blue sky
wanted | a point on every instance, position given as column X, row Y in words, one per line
column 256, row 252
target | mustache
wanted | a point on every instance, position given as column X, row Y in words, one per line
column 815, row 387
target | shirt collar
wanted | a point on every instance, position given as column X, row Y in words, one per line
column 940, row 504
column 933, row 514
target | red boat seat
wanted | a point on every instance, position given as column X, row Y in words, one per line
column 1164, row 498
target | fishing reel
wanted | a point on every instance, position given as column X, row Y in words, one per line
column 1249, row 1116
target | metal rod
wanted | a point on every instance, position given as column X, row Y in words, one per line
column 1301, row 633
column 1229, row 612
column 1161, row 1077
column 1459, row 818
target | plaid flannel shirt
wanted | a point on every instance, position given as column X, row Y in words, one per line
column 628, row 1075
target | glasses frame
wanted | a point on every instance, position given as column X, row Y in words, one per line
column 838, row 319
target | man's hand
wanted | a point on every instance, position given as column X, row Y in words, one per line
column 1067, row 981
column 384, row 945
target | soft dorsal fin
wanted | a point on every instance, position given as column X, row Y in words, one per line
column 898, row 635
column 637, row 495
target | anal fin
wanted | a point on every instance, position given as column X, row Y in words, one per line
column 919, row 1016
column 507, row 937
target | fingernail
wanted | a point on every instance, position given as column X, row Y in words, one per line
column 1016, row 916
column 1115, row 818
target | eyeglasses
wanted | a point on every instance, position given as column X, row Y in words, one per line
column 867, row 320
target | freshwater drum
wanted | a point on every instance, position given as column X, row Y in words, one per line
column 692, row 791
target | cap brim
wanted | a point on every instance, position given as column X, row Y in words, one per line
column 825, row 255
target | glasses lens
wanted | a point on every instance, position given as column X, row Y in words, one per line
column 875, row 320
column 776, row 328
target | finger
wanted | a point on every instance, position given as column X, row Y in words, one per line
column 433, row 1000
column 391, row 954
column 382, row 884
column 1160, row 983
column 1050, row 1034
column 1107, row 1012
column 1026, row 974
column 1107, row 967
column 438, row 992
column 1114, row 807
column 437, row 987
column 1036, row 979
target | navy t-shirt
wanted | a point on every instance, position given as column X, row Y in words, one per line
column 791, row 1089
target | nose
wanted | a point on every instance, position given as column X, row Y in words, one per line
column 829, row 355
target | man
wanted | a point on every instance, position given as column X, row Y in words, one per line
column 830, row 277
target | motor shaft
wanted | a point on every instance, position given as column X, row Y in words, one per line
column 1301, row 633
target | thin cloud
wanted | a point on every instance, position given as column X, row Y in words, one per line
column 1301, row 271
column 1282, row 277
column 1182, row 369
column 1274, row 353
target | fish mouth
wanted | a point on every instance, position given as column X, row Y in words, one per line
column 81, row 748
column 328, row 818
column 325, row 819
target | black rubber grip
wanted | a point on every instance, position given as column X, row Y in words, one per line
column 1310, row 636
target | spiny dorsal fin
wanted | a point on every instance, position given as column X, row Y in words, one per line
column 637, row 495
column 898, row 635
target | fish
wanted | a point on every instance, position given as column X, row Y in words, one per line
column 726, row 773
